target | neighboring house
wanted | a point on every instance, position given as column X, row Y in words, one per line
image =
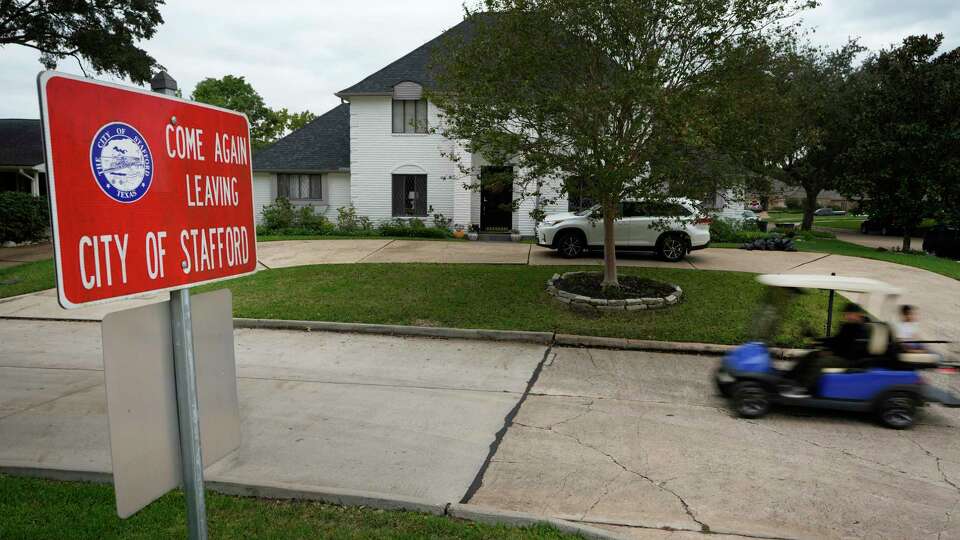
column 376, row 152
column 783, row 195
column 21, row 157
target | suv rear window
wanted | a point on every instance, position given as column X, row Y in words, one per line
column 666, row 209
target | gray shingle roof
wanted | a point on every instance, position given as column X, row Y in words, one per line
column 20, row 142
column 320, row 146
column 412, row 67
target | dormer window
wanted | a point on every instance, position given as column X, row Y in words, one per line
column 409, row 116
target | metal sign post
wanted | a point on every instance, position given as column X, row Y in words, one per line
column 188, row 412
column 185, row 376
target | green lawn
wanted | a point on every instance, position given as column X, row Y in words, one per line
column 26, row 278
column 717, row 306
column 937, row 265
column 43, row 509
column 848, row 222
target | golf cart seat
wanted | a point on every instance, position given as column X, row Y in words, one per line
column 878, row 342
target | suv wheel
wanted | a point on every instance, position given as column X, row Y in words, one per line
column 672, row 247
column 571, row 245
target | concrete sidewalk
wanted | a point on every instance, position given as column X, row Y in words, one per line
column 400, row 416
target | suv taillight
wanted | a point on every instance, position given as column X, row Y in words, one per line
column 703, row 221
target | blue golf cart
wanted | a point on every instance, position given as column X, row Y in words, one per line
column 887, row 382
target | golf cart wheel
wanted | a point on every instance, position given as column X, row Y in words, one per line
column 898, row 410
column 571, row 245
column 751, row 399
column 672, row 247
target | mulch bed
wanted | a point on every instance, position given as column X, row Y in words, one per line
column 630, row 287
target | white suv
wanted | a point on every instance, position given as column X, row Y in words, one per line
column 671, row 228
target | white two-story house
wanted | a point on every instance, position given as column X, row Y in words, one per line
column 377, row 152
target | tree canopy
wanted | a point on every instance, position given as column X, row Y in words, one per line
column 606, row 91
column 235, row 93
column 105, row 34
column 806, row 122
column 905, row 134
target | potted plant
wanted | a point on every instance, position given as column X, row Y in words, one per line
column 515, row 235
column 458, row 231
column 473, row 233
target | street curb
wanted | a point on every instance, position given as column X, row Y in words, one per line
column 624, row 344
column 515, row 336
column 341, row 497
column 520, row 336
column 541, row 338
column 63, row 475
column 492, row 516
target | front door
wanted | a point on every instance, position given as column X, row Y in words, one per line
column 496, row 199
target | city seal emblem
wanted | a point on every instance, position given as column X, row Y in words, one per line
column 121, row 162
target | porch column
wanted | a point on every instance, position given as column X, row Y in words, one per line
column 35, row 184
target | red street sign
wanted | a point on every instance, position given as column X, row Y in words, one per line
column 147, row 192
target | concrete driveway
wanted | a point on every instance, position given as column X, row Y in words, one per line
column 637, row 442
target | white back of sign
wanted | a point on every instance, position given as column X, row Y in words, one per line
column 142, row 401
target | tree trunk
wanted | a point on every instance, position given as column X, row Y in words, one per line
column 907, row 239
column 609, row 248
column 809, row 207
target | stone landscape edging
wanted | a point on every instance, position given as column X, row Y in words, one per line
column 603, row 305
column 342, row 497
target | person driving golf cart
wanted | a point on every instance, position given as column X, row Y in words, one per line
column 848, row 348
column 860, row 368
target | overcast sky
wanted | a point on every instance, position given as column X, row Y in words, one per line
column 297, row 54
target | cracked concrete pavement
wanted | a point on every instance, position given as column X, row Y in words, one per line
column 634, row 442
column 640, row 444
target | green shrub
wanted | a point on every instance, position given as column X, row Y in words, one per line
column 413, row 228
column 279, row 215
column 306, row 219
column 348, row 221
column 23, row 217
column 725, row 231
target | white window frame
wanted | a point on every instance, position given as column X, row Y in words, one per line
column 303, row 182
column 409, row 116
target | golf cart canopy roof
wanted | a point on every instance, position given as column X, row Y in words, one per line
column 836, row 283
